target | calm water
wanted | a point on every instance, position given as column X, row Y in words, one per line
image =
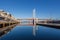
column 25, row 33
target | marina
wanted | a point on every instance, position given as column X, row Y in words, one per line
column 29, row 19
column 7, row 22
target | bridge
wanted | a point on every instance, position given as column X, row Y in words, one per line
column 7, row 22
column 36, row 21
column 41, row 22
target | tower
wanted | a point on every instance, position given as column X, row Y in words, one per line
column 35, row 21
column 34, row 27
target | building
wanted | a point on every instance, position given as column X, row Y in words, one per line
column 6, row 16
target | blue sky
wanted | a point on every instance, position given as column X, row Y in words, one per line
column 23, row 8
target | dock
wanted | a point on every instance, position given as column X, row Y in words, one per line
column 7, row 22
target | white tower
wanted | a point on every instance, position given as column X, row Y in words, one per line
column 35, row 21
column 34, row 13
column 34, row 27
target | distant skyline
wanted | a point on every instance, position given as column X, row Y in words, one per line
column 24, row 8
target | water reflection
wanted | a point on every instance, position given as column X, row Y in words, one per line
column 25, row 33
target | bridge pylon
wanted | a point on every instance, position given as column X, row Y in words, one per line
column 35, row 28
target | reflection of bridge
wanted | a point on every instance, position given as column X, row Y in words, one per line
column 9, row 20
column 36, row 21
column 29, row 21
column 43, row 22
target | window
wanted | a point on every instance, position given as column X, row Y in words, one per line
column 1, row 18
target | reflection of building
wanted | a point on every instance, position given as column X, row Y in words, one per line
column 7, row 22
